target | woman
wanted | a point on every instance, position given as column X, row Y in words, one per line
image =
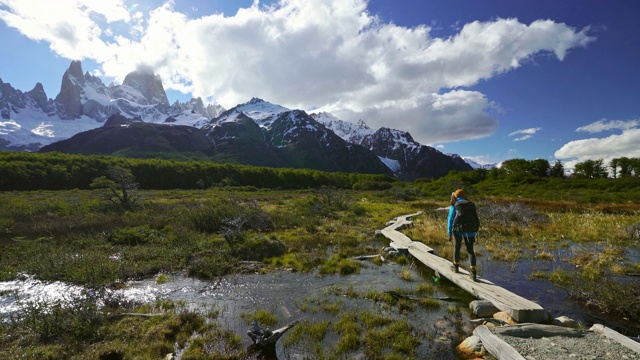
column 462, row 225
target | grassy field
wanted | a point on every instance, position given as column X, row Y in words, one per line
column 76, row 237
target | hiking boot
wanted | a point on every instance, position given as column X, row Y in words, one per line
column 454, row 268
column 474, row 275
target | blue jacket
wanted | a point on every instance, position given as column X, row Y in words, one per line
column 452, row 214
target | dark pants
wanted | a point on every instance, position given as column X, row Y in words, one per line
column 468, row 241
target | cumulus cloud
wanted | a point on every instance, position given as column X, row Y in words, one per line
column 329, row 54
column 527, row 133
column 624, row 144
column 608, row 125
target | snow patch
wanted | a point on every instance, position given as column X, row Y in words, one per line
column 392, row 164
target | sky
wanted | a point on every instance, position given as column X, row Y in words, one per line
column 490, row 80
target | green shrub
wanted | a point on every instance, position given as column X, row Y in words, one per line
column 342, row 266
column 139, row 235
column 260, row 248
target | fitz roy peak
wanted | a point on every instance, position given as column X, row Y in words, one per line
column 29, row 121
column 253, row 133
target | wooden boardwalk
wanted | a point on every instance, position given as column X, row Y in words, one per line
column 519, row 308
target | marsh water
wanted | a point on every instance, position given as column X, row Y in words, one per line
column 300, row 296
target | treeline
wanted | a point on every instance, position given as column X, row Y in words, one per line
column 58, row 171
column 537, row 179
column 590, row 169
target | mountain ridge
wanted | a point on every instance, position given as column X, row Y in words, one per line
column 291, row 137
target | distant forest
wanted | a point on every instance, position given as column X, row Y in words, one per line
column 591, row 181
column 58, row 171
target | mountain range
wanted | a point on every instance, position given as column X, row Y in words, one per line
column 136, row 119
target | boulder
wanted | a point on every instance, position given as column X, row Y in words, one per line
column 566, row 322
column 470, row 348
column 503, row 316
column 483, row 308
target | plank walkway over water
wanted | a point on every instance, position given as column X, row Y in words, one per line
column 519, row 308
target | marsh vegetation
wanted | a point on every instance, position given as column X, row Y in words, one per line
column 577, row 240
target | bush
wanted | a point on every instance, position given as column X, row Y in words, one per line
column 139, row 235
column 76, row 320
column 225, row 215
column 258, row 249
column 508, row 214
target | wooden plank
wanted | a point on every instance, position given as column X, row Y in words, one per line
column 614, row 335
column 538, row 331
column 496, row 346
column 519, row 308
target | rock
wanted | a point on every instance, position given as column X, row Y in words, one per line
column 483, row 308
column 566, row 322
column 470, row 348
column 490, row 325
column 503, row 316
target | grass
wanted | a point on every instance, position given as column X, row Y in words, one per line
column 84, row 332
column 74, row 237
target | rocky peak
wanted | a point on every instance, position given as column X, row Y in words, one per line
column 38, row 95
column 71, row 88
column 148, row 84
column 362, row 124
column 75, row 70
column 386, row 134
column 254, row 100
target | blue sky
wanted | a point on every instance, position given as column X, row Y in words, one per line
column 486, row 79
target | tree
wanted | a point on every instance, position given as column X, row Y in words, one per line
column 118, row 186
column 614, row 167
column 590, row 169
column 515, row 166
column 625, row 166
column 557, row 170
column 635, row 166
column 539, row 167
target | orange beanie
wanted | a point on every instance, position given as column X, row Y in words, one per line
column 458, row 193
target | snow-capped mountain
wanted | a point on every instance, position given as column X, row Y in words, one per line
column 262, row 112
column 475, row 165
column 255, row 133
column 30, row 120
column 353, row 133
column 408, row 159
column 261, row 133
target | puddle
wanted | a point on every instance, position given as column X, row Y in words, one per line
column 290, row 296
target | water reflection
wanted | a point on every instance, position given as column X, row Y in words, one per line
column 292, row 296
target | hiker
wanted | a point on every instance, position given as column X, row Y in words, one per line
column 462, row 225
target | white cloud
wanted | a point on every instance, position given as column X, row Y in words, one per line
column 608, row 148
column 69, row 26
column 606, row 125
column 523, row 138
column 332, row 54
column 528, row 133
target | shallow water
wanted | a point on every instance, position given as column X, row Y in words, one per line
column 287, row 294
column 515, row 277
column 293, row 296
column 290, row 296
